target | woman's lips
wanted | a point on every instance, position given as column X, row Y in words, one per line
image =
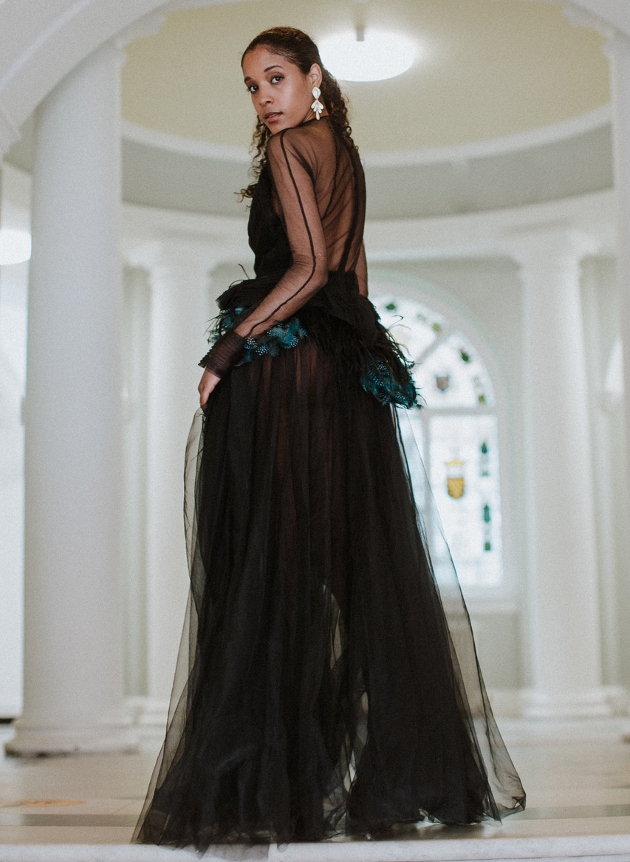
column 271, row 118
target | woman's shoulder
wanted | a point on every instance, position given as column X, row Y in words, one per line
column 307, row 143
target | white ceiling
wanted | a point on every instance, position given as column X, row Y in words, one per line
column 496, row 71
column 42, row 40
column 488, row 69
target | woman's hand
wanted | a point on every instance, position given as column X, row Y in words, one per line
column 207, row 383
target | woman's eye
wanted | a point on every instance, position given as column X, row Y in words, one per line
column 252, row 88
column 276, row 78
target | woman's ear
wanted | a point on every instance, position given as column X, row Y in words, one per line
column 315, row 75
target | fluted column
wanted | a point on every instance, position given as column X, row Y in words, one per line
column 562, row 561
column 180, row 310
column 73, row 666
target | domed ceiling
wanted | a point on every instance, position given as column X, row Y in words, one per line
column 507, row 105
column 486, row 69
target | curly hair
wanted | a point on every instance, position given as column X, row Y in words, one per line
column 299, row 49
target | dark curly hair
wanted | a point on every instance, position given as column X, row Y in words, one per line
column 299, row 49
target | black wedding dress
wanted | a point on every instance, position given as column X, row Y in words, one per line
column 327, row 681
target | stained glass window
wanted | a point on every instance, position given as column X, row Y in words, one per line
column 457, row 436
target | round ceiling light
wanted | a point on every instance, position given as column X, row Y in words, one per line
column 15, row 246
column 377, row 56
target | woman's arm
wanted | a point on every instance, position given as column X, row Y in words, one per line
column 361, row 271
column 294, row 183
column 292, row 165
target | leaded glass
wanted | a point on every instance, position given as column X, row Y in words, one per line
column 471, row 509
column 456, row 434
column 413, row 325
column 453, row 375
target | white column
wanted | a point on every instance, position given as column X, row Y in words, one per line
column 562, row 563
column 618, row 51
column 180, row 312
column 73, row 692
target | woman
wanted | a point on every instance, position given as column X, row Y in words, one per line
column 320, row 690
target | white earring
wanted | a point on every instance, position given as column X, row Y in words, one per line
column 317, row 106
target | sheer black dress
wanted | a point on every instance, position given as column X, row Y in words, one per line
column 327, row 681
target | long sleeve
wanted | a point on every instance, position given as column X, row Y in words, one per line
column 362, row 273
column 293, row 165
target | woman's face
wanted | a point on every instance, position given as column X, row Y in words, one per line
column 280, row 92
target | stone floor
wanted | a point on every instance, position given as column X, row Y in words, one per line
column 577, row 777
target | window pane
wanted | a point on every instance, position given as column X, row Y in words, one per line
column 464, row 472
column 453, row 375
column 414, row 326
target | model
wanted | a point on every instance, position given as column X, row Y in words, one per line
column 321, row 688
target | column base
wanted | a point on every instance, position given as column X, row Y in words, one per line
column 153, row 713
column 96, row 736
column 579, row 704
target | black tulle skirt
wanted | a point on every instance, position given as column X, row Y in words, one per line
column 327, row 682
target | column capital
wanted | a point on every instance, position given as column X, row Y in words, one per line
column 557, row 246
column 172, row 253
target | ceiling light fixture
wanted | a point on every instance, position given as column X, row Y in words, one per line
column 15, row 246
column 367, row 55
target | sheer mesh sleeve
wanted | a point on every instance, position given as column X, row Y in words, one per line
column 293, row 163
column 321, row 202
column 362, row 274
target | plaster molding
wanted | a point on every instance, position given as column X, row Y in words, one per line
column 490, row 233
column 463, row 153
column 174, row 252
column 459, row 154
column 177, row 5
column 44, row 36
column 613, row 14
column 79, row 28
column 9, row 133
column 220, row 238
column 617, row 45
column 605, row 16
column 138, row 134
column 493, row 233
column 550, row 247
column 581, row 17
column 140, row 29
column 83, row 25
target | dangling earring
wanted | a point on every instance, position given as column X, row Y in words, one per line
column 317, row 106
